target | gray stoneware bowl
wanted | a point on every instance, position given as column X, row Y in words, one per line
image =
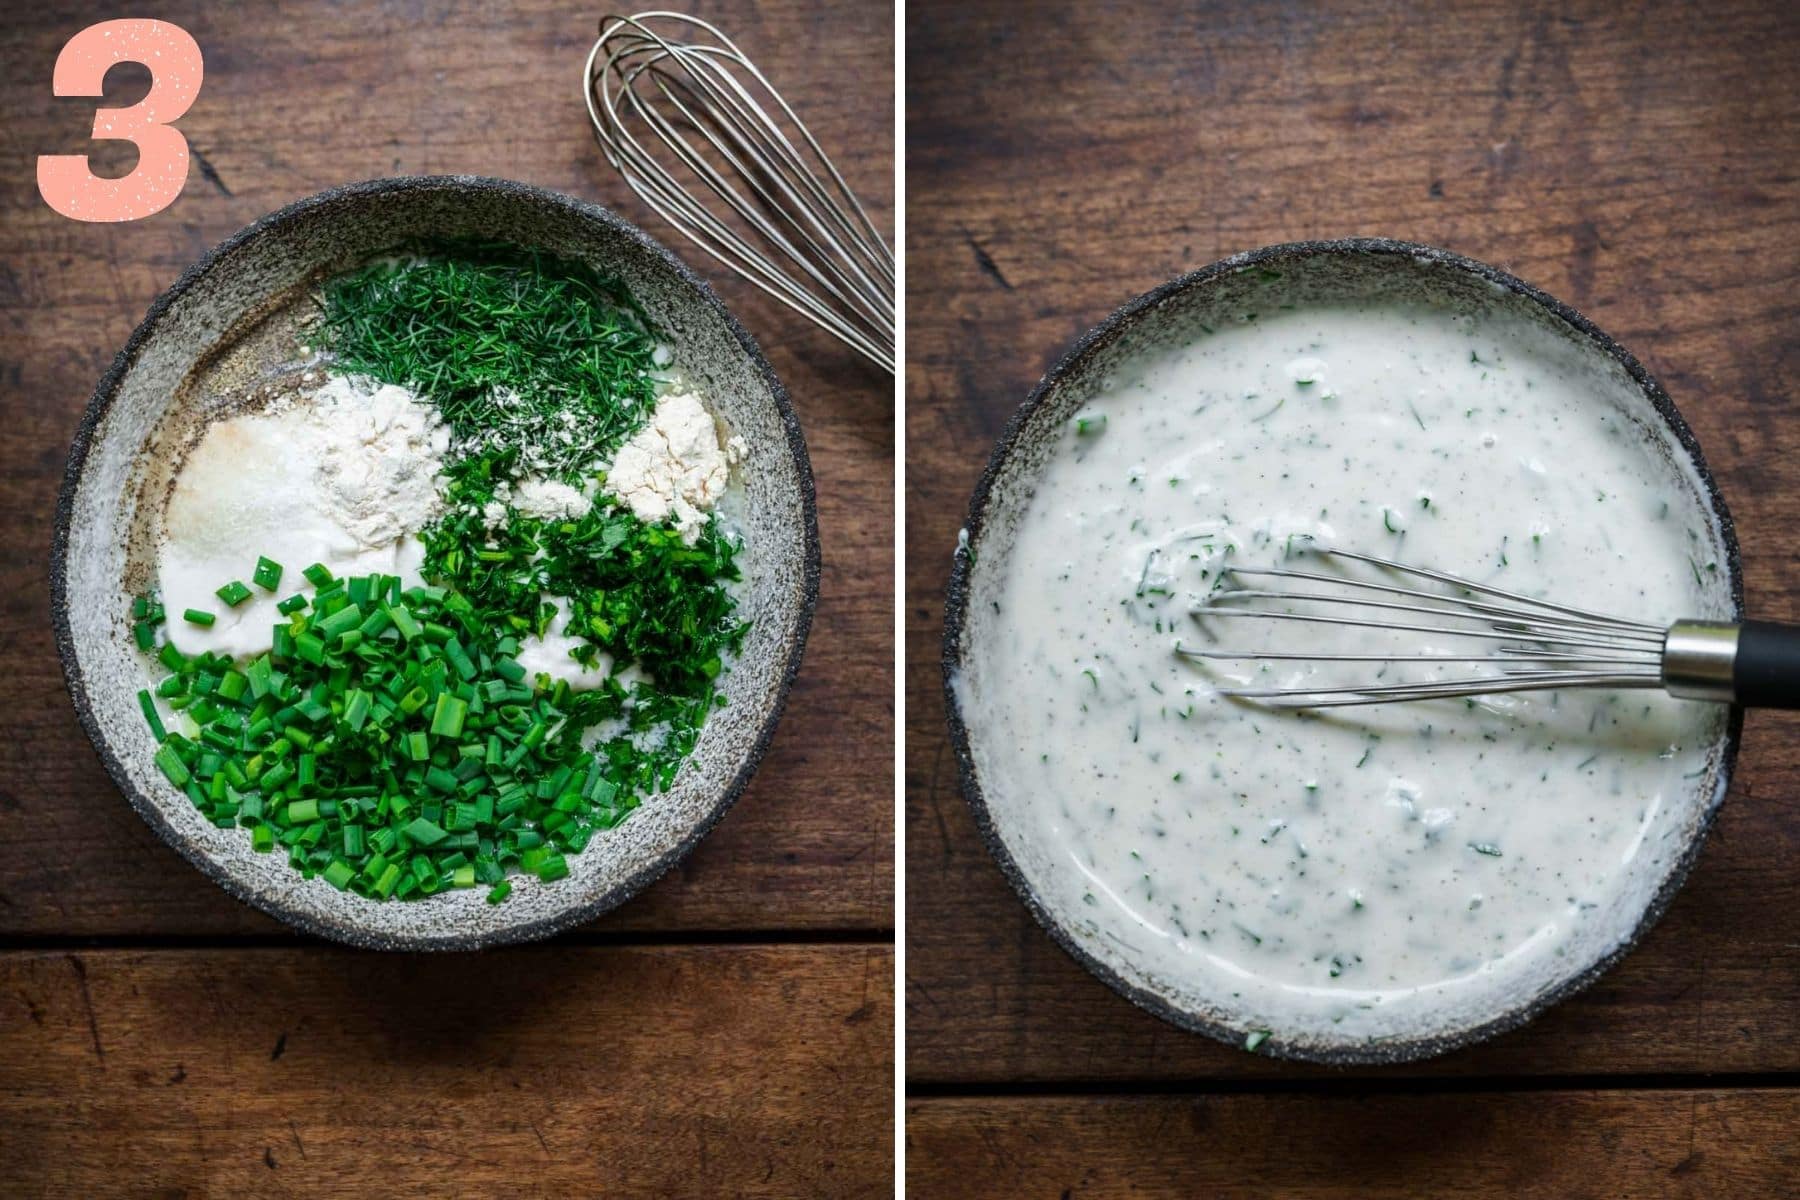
column 203, row 312
column 1351, row 270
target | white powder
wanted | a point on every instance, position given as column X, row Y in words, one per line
column 675, row 466
column 549, row 500
column 342, row 476
column 379, row 450
column 534, row 496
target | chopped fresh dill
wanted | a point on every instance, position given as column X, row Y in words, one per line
column 518, row 350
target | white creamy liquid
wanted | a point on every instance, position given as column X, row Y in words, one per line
column 1363, row 872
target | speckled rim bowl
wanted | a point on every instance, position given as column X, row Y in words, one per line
column 295, row 247
column 1356, row 267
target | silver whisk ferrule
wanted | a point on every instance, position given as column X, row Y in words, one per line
column 707, row 142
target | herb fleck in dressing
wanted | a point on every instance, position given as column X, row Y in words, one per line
column 1365, row 871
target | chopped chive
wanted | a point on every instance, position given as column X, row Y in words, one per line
column 233, row 685
column 310, row 647
column 339, row 623
column 198, row 616
column 233, row 594
column 168, row 759
column 403, row 620
column 356, row 708
column 390, row 877
column 424, row 833
column 447, row 719
column 319, row 575
column 151, row 716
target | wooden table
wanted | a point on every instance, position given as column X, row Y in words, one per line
column 728, row 1032
column 1639, row 161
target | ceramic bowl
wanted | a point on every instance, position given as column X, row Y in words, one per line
column 222, row 295
column 1354, row 271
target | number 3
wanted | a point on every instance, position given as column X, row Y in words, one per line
column 65, row 181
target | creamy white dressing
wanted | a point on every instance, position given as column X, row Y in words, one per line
column 1365, row 872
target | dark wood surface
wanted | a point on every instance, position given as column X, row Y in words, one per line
column 553, row 1071
column 295, row 99
column 1640, row 161
column 1565, row 1145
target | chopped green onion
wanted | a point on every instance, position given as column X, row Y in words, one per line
column 151, row 716
column 447, row 720
column 423, row 832
column 233, row 685
column 233, row 594
column 169, row 760
column 198, row 616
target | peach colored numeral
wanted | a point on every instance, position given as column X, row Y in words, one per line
column 65, row 181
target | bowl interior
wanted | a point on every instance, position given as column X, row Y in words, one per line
column 213, row 304
column 1359, row 272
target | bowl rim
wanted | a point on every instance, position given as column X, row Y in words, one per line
column 101, row 403
column 1387, row 1051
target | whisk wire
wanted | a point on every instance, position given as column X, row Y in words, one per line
column 1538, row 644
column 1486, row 589
column 1569, row 616
column 764, row 198
column 1495, row 617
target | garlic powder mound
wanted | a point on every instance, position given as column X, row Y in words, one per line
column 676, row 466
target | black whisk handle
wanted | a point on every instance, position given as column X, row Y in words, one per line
column 1766, row 672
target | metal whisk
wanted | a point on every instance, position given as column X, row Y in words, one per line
column 1531, row 645
column 705, row 140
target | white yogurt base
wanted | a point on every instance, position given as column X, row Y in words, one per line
column 1318, row 875
column 342, row 476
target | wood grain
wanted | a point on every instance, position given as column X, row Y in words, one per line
column 322, row 94
column 754, row 1071
column 1567, row 1145
column 1637, row 160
